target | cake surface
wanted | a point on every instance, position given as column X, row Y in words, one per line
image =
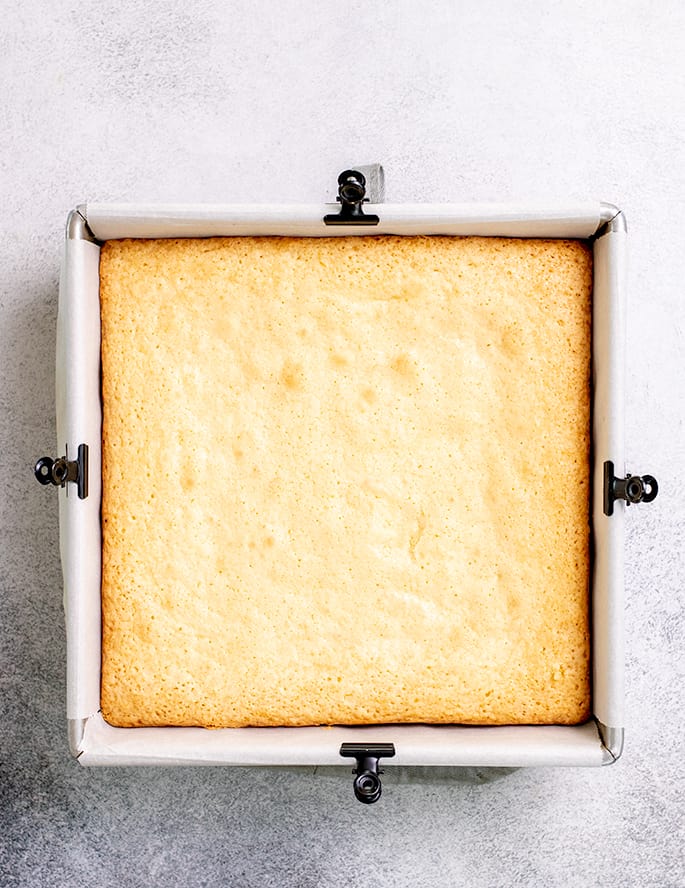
column 345, row 481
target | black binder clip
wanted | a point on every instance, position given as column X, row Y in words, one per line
column 367, row 783
column 351, row 196
column 632, row 488
column 58, row 471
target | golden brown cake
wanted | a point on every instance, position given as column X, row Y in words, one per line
column 345, row 480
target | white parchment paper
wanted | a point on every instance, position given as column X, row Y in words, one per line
column 110, row 221
column 79, row 421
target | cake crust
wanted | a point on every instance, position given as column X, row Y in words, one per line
column 345, row 481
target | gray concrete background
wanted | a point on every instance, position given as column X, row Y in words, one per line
column 237, row 101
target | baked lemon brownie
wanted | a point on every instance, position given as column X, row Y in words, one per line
column 345, row 481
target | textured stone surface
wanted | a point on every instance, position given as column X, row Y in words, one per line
column 232, row 102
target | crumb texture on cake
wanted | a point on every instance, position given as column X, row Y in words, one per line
column 345, row 481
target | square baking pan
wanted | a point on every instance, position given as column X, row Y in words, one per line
column 77, row 474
